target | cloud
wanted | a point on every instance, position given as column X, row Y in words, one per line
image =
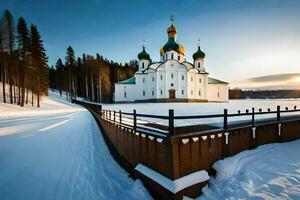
column 270, row 82
column 275, row 77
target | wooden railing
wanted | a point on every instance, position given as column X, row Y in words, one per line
column 136, row 120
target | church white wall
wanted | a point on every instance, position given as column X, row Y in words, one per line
column 200, row 81
column 125, row 93
column 191, row 81
column 199, row 64
column 141, row 82
column 152, row 79
column 143, row 64
column 217, row 92
column 172, row 55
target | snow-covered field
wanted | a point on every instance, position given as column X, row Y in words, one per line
column 187, row 109
column 268, row 172
column 57, row 152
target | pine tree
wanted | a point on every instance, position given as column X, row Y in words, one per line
column 70, row 64
column 24, row 51
column 2, row 62
column 39, row 60
column 60, row 75
column 9, row 44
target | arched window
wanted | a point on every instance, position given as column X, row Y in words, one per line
column 172, row 76
column 143, row 65
column 199, row 80
column 218, row 94
column 172, row 56
column 199, row 64
column 161, row 92
column 199, row 93
column 182, row 92
column 191, row 92
column 182, row 77
column 125, row 94
column 153, row 78
column 161, row 77
column 191, row 79
column 178, row 57
column 144, row 93
column 152, row 92
column 144, row 80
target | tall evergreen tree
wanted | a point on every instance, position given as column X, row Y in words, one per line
column 2, row 61
column 9, row 44
column 24, row 51
column 60, row 75
column 39, row 60
column 70, row 64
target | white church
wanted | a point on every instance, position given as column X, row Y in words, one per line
column 173, row 79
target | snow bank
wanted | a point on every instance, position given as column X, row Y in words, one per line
column 176, row 185
column 267, row 172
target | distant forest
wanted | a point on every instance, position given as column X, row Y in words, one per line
column 263, row 94
column 89, row 77
column 23, row 62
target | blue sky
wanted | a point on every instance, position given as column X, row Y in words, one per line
column 241, row 39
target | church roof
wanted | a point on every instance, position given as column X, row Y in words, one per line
column 199, row 54
column 128, row 81
column 143, row 55
column 215, row 81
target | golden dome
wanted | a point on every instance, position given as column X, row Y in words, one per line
column 161, row 51
column 172, row 31
column 181, row 49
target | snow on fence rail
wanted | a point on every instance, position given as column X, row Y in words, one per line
column 178, row 153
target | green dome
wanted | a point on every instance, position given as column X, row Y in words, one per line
column 143, row 55
column 171, row 45
column 199, row 54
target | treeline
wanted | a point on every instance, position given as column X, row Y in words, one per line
column 263, row 94
column 23, row 62
column 89, row 77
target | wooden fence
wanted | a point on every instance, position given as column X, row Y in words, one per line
column 176, row 152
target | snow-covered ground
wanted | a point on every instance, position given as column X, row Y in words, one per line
column 268, row 172
column 58, row 152
column 186, row 109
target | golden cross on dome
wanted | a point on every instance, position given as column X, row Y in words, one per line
column 172, row 18
column 199, row 42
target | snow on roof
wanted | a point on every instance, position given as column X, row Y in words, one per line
column 188, row 65
column 155, row 65
column 215, row 81
column 127, row 81
column 176, row 185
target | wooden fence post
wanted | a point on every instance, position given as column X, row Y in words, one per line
column 114, row 116
column 253, row 113
column 278, row 113
column 120, row 117
column 171, row 122
column 100, row 110
column 225, row 118
column 134, row 120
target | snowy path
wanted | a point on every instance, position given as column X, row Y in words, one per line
column 267, row 172
column 58, row 153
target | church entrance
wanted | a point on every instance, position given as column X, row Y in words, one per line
column 172, row 94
